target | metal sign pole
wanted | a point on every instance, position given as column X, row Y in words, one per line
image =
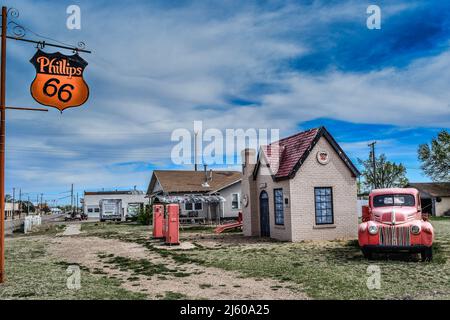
column 2, row 145
column 3, row 108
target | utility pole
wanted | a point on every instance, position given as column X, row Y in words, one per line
column 71, row 199
column 77, row 204
column 13, row 202
column 20, row 203
column 37, row 204
column 195, row 150
column 42, row 203
column 374, row 168
column 28, row 206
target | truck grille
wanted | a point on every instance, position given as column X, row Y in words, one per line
column 394, row 236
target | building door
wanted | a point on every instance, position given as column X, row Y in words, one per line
column 264, row 214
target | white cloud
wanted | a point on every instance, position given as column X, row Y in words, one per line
column 153, row 70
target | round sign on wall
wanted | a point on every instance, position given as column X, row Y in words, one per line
column 245, row 200
column 323, row 157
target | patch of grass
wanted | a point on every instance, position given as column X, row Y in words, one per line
column 32, row 274
column 143, row 267
column 205, row 285
column 197, row 229
column 170, row 295
column 46, row 229
column 323, row 270
column 133, row 278
column 276, row 287
column 336, row 269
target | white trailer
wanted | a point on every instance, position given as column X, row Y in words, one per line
column 110, row 209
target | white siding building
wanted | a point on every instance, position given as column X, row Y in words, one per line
column 130, row 200
column 203, row 196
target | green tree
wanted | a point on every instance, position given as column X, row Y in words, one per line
column 387, row 174
column 26, row 204
column 145, row 215
column 435, row 157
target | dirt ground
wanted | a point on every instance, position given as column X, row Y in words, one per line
column 197, row 282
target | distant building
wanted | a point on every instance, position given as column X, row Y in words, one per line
column 434, row 197
column 130, row 201
column 9, row 208
column 202, row 195
column 55, row 210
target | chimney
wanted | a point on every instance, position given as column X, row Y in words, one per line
column 248, row 159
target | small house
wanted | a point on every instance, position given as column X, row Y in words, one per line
column 203, row 196
column 303, row 187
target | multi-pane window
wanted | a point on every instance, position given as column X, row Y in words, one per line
column 278, row 203
column 189, row 206
column 198, row 206
column 235, row 201
column 324, row 205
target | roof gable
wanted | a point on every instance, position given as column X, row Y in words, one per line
column 285, row 156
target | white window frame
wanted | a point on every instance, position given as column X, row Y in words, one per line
column 201, row 206
column 193, row 206
column 238, row 201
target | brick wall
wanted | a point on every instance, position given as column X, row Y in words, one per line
column 312, row 174
column 250, row 218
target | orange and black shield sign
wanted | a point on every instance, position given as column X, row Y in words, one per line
column 59, row 80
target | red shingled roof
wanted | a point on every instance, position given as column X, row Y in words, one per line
column 290, row 151
column 285, row 156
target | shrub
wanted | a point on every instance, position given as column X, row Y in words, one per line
column 145, row 215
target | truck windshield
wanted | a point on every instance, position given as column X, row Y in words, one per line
column 394, row 200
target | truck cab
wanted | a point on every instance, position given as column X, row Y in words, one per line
column 393, row 222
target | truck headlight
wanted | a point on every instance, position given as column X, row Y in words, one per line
column 415, row 229
column 373, row 229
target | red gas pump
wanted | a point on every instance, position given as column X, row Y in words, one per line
column 158, row 221
column 172, row 232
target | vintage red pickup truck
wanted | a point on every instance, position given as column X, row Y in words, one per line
column 393, row 221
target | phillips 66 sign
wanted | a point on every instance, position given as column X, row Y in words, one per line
column 59, row 80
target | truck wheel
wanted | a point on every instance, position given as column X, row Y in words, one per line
column 367, row 253
column 427, row 254
column 102, row 220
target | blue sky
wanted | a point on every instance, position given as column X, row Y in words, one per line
column 160, row 65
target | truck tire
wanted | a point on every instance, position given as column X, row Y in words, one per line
column 367, row 253
column 427, row 254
